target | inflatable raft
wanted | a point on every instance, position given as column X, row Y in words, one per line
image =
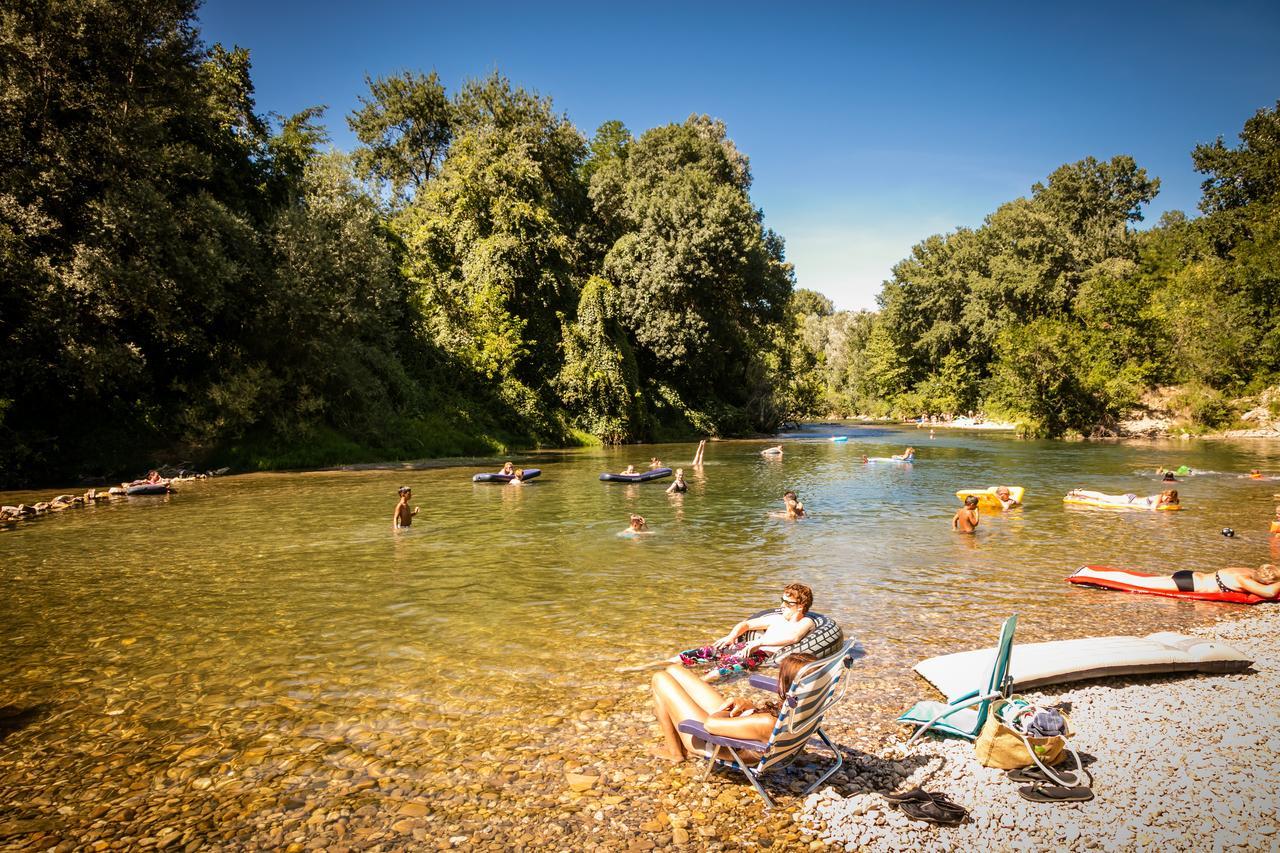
column 1088, row 576
column 642, row 477
column 1034, row 665
column 1119, row 502
column 987, row 497
column 149, row 489
column 825, row 639
column 529, row 474
column 839, row 438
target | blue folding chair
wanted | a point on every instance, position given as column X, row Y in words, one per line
column 960, row 717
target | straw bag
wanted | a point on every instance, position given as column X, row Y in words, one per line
column 1002, row 744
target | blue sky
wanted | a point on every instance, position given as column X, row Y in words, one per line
column 869, row 127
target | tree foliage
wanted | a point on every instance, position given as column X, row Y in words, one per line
column 183, row 277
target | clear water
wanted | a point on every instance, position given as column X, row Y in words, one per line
column 272, row 633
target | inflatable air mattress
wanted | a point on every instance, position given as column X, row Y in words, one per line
column 839, row 438
column 1088, row 576
column 987, row 497
column 642, row 477
column 529, row 474
column 890, row 459
column 149, row 489
column 1037, row 664
column 1119, row 502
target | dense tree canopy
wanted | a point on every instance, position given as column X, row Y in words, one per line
column 182, row 278
column 1057, row 313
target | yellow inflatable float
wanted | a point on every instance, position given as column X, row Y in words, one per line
column 987, row 497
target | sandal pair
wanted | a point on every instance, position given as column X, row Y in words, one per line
column 919, row 804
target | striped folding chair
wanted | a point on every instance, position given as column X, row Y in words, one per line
column 816, row 688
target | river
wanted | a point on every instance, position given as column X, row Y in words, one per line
column 260, row 643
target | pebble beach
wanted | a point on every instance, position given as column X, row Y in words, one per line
column 1182, row 763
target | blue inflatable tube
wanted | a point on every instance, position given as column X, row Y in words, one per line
column 644, row 477
column 529, row 474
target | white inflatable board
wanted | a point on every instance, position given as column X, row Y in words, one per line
column 1036, row 664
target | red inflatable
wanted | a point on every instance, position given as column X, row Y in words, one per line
column 1085, row 577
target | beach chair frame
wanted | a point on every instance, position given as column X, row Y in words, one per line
column 999, row 684
column 816, row 689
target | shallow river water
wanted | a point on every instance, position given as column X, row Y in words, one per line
column 260, row 643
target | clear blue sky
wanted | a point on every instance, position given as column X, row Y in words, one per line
column 868, row 127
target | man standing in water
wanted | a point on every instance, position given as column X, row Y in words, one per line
column 403, row 516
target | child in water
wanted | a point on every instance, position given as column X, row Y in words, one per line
column 403, row 516
column 795, row 509
column 966, row 518
column 637, row 527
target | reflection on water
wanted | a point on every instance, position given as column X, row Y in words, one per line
column 275, row 626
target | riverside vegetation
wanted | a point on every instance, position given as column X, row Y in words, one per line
column 183, row 277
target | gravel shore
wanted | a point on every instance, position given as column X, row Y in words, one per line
column 1185, row 763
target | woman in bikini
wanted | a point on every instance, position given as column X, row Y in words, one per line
column 680, row 695
column 1263, row 581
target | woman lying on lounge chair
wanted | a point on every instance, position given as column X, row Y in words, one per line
column 681, row 695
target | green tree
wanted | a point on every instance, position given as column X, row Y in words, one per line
column 405, row 127
column 599, row 381
column 701, row 282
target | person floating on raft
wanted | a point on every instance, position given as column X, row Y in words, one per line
column 1167, row 498
column 1007, row 500
column 507, row 468
column 776, row 450
column 630, row 470
column 1263, row 581
column 909, row 455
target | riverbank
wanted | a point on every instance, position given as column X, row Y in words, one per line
column 1204, row 747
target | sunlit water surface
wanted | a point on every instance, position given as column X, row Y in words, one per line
column 275, row 628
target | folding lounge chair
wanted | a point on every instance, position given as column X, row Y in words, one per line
column 816, row 688
column 960, row 717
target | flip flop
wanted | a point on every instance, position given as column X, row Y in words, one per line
column 1055, row 794
column 941, row 801
column 931, row 812
column 1037, row 776
column 915, row 794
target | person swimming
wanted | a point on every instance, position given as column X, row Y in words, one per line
column 795, row 509
column 517, row 478
column 637, row 527
column 630, row 471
